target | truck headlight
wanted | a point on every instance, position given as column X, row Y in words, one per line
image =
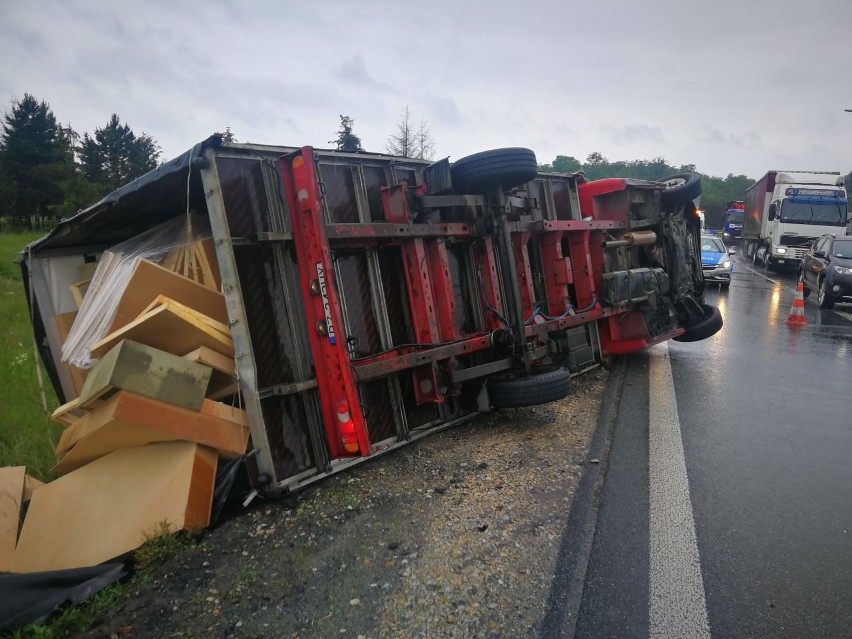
column 779, row 249
column 842, row 270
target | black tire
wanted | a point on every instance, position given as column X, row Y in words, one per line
column 710, row 325
column 680, row 188
column 513, row 390
column 507, row 168
column 825, row 300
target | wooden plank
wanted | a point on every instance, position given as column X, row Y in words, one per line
column 127, row 420
column 78, row 291
column 147, row 371
column 223, row 379
column 150, row 280
column 104, row 509
column 12, row 480
column 64, row 321
column 68, row 413
column 205, row 252
column 162, row 300
column 214, row 360
column 170, row 330
column 223, row 411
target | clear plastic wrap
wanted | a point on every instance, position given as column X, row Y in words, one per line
column 98, row 310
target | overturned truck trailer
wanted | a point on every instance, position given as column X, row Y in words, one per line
column 373, row 299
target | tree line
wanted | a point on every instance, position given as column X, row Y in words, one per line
column 716, row 192
column 48, row 171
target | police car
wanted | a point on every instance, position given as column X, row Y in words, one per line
column 716, row 260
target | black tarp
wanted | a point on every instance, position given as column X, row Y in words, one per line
column 25, row 599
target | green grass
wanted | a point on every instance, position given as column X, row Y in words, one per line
column 75, row 619
column 27, row 436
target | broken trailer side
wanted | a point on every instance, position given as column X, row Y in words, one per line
column 373, row 299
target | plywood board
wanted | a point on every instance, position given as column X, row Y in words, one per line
column 223, row 411
column 150, row 280
column 162, row 300
column 214, row 360
column 127, row 420
column 11, row 496
column 64, row 321
column 170, row 330
column 223, row 380
column 104, row 509
column 147, row 371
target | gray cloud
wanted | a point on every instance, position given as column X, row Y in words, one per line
column 728, row 86
column 354, row 72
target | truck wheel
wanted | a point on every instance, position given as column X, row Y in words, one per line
column 703, row 329
column 824, row 299
column 680, row 188
column 507, row 168
column 513, row 390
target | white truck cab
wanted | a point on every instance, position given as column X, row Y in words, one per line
column 787, row 210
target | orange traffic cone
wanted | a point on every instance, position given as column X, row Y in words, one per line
column 797, row 313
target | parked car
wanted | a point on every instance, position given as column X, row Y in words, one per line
column 716, row 260
column 827, row 268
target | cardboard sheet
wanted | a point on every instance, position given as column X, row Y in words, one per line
column 104, row 509
column 12, row 480
column 127, row 420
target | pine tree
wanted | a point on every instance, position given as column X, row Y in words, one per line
column 346, row 139
column 33, row 159
column 116, row 156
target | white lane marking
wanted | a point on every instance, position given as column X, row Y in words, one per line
column 677, row 605
column 843, row 314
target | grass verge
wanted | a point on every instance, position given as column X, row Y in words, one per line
column 27, row 436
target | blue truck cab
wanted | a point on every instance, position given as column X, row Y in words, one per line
column 733, row 228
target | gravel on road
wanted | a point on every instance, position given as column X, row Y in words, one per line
column 455, row 535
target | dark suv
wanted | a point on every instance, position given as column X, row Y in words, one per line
column 827, row 267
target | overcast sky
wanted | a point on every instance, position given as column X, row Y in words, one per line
column 732, row 86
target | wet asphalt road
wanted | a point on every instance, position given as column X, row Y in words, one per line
column 751, row 534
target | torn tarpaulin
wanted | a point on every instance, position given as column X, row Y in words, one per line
column 25, row 599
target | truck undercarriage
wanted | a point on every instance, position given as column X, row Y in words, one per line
column 373, row 299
